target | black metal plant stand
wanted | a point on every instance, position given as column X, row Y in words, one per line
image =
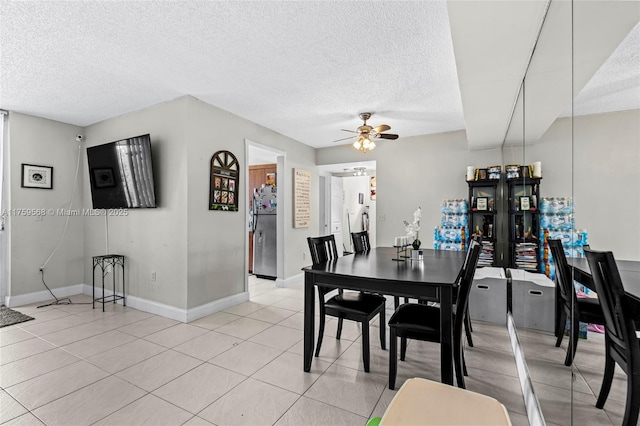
column 103, row 262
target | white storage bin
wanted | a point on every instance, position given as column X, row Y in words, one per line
column 488, row 298
column 533, row 300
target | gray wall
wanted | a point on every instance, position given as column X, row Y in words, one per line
column 151, row 239
column 216, row 240
column 601, row 172
column 42, row 142
column 198, row 255
column 415, row 172
column 605, row 178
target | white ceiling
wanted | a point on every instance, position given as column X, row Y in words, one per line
column 302, row 68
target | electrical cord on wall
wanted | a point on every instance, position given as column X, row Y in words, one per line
column 66, row 300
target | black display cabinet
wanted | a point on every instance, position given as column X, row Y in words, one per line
column 524, row 222
column 483, row 213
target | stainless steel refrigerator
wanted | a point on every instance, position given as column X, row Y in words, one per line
column 264, row 232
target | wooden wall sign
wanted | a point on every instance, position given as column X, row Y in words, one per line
column 224, row 182
column 301, row 198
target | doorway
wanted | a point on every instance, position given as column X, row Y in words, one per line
column 264, row 252
column 348, row 201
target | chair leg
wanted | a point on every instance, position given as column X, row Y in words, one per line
column 339, row 332
column 607, row 379
column 320, row 331
column 458, row 363
column 562, row 322
column 573, row 342
column 403, row 348
column 383, row 330
column 467, row 329
column 632, row 406
column 464, row 365
column 365, row 345
column 393, row 358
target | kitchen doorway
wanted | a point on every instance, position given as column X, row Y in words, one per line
column 265, row 217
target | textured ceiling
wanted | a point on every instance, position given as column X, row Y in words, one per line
column 616, row 85
column 302, row 68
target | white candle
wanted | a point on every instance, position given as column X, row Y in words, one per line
column 471, row 172
column 537, row 169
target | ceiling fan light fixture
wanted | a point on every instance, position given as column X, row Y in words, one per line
column 368, row 144
column 365, row 134
column 360, row 171
column 364, row 143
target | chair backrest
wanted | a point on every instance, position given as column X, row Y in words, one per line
column 563, row 273
column 465, row 283
column 618, row 317
column 466, row 259
column 322, row 249
column 360, row 242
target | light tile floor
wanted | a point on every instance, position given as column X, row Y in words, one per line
column 76, row 366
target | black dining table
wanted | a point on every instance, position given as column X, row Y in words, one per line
column 376, row 271
column 629, row 273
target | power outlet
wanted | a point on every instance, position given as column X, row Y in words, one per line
column 153, row 276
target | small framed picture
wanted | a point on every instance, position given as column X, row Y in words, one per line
column 37, row 176
column 525, row 203
column 482, row 203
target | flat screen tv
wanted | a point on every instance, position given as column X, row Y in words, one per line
column 121, row 174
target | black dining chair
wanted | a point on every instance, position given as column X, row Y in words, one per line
column 350, row 305
column 585, row 309
column 422, row 322
column 621, row 343
column 361, row 245
column 361, row 242
column 467, row 318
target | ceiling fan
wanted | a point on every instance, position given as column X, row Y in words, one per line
column 366, row 134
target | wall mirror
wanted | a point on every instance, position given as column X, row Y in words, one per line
column 573, row 115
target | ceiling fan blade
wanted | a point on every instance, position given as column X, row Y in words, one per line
column 345, row 130
column 381, row 128
column 387, row 136
column 344, row 139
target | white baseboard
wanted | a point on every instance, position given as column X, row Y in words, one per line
column 291, row 281
column 216, row 306
column 42, row 296
column 150, row 306
column 182, row 315
column 145, row 305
